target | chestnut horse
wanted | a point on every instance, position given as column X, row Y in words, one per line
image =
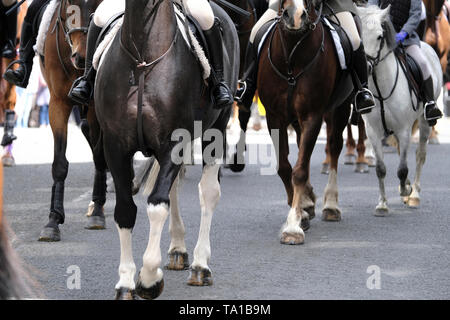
column 300, row 81
column 437, row 35
column 63, row 62
column 7, row 90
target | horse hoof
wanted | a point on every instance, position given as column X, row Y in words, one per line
column 49, row 234
column 125, row 294
column 349, row 159
column 200, row 277
column 305, row 224
column 8, row 161
column 434, row 140
column 96, row 223
column 149, row 293
column 362, row 168
column 311, row 212
column 331, row 215
column 414, row 203
column 178, row 261
column 405, row 199
column 292, row 238
column 325, row 168
column 372, row 163
column 381, row 212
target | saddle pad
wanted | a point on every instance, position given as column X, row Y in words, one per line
column 341, row 43
column 45, row 25
column 188, row 36
column 340, row 40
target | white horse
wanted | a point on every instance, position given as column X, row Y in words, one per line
column 379, row 42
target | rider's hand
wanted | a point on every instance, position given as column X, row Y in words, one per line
column 401, row 36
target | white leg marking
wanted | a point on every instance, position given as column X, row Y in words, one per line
column 331, row 192
column 150, row 272
column 127, row 268
column 294, row 220
column 209, row 193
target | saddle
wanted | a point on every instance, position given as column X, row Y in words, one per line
column 412, row 71
column 342, row 45
column 188, row 26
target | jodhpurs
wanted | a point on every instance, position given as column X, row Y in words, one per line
column 417, row 54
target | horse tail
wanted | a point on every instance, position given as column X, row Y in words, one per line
column 150, row 179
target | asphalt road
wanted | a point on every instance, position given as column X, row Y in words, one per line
column 410, row 247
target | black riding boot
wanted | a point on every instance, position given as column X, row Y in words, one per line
column 221, row 93
column 431, row 111
column 247, row 89
column 10, row 121
column 21, row 76
column 82, row 88
column 9, row 50
column 364, row 101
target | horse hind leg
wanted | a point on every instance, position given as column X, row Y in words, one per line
column 362, row 165
column 336, row 121
column 209, row 194
column 178, row 257
column 350, row 155
column 402, row 171
column 421, row 152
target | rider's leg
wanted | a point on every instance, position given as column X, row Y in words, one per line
column 364, row 101
column 9, row 50
column 21, row 76
column 245, row 93
column 432, row 112
column 202, row 12
column 82, row 88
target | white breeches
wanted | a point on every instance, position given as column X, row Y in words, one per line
column 106, row 10
column 8, row 3
column 201, row 11
column 270, row 14
column 349, row 26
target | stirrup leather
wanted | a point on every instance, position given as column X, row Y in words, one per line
column 363, row 110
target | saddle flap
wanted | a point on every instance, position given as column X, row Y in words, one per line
column 411, row 69
column 342, row 44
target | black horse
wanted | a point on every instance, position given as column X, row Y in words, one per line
column 155, row 88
